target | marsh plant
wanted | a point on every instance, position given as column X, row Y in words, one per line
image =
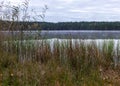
column 69, row 63
column 16, row 18
column 41, row 62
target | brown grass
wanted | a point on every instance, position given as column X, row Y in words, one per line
column 68, row 64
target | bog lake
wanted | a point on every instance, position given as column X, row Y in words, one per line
column 87, row 36
column 73, row 34
column 98, row 36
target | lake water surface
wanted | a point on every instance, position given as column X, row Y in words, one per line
column 87, row 36
column 75, row 34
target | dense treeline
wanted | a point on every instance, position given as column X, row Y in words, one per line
column 81, row 26
column 61, row 26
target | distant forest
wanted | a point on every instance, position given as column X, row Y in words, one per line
column 81, row 26
column 61, row 26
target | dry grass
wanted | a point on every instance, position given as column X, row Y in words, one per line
column 68, row 64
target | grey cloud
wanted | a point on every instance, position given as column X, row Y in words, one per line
column 79, row 10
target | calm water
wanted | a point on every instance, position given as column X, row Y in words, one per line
column 75, row 34
column 88, row 36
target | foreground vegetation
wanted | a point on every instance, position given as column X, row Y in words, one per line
column 46, row 63
column 66, row 64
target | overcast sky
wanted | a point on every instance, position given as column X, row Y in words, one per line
column 78, row 10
